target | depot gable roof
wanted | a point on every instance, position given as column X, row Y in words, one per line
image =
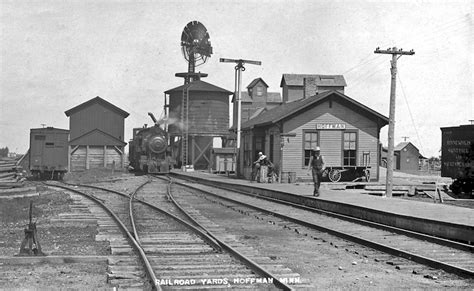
column 289, row 109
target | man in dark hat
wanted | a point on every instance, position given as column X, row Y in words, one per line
column 261, row 161
column 316, row 165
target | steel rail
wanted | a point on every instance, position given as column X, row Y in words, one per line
column 218, row 243
column 136, row 245
column 130, row 211
column 249, row 262
column 410, row 233
column 203, row 234
column 387, row 249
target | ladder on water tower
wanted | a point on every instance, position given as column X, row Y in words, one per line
column 184, row 129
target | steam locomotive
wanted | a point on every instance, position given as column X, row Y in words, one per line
column 148, row 150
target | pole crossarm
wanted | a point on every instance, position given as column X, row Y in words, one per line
column 396, row 53
column 240, row 63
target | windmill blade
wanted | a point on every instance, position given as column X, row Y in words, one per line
column 195, row 43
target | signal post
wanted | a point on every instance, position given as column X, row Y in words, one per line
column 238, row 84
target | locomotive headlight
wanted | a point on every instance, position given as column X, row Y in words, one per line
column 157, row 144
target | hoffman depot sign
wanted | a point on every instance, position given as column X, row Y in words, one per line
column 335, row 126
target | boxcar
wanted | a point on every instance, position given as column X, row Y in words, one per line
column 457, row 157
column 48, row 152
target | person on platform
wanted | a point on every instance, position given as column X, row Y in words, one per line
column 261, row 161
column 316, row 165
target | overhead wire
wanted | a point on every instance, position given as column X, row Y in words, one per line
column 370, row 74
column 409, row 111
column 431, row 38
column 364, row 61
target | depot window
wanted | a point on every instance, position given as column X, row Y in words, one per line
column 350, row 148
column 310, row 141
column 259, row 144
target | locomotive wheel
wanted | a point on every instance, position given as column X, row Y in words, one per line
column 334, row 175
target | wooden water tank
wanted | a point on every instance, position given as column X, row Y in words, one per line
column 208, row 107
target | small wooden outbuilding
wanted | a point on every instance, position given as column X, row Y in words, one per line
column 96, row 135
column 407, row 157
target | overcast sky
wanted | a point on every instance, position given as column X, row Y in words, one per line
column 58, row 54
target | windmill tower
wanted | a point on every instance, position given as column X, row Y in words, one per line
column 202, row 108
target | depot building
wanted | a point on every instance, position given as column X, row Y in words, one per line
column 315, row 112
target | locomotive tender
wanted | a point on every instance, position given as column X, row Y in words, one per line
column 457, row 157
column 149, row 151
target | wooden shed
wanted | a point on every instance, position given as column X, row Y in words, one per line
column 207, row 117
column 407, row 157
column 96, row 135
column 346, row 131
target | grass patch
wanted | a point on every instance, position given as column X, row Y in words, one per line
column 48, row 204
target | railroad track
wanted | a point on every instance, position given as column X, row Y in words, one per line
column 114, row 224
column 436, row 253
column 175, row 249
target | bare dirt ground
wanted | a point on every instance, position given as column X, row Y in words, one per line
column 55, row 238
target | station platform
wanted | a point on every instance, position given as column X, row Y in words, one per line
column 442, row 220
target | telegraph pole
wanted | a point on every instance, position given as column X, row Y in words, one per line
column 238, row 80
column 396, row 54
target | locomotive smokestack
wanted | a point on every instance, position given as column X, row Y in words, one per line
column 153, row 118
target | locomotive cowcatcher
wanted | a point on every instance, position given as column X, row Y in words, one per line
column 149, row 151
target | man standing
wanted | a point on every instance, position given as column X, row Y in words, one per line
column 316, row 164
column 261, row 161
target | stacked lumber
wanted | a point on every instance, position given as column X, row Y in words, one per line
column 435, row 191
column 380, row 190
column 11, row 175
